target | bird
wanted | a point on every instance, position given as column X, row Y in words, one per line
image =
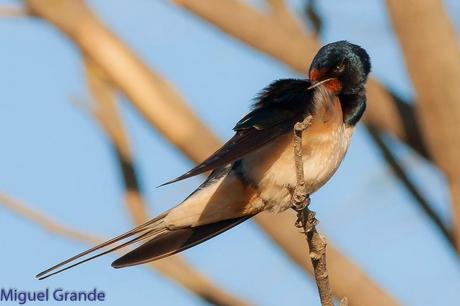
column 254, row 171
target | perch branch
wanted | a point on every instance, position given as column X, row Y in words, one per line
column 307, row 221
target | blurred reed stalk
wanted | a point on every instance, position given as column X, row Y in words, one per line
column 432, row 53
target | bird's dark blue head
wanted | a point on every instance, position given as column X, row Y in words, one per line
column 346, row 64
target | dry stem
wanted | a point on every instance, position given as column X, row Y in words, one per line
column 307, row 221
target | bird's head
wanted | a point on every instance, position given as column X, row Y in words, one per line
column 341, row 66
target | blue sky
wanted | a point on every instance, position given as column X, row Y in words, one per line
column 56, row 159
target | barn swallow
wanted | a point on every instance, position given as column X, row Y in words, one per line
column 255, row 170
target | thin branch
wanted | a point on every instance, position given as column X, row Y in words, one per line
column 400, row 173
column 346, row 277
column 307, row 221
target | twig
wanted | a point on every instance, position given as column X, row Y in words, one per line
column 307, row 221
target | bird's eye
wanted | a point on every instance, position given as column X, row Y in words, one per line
column 339, row 68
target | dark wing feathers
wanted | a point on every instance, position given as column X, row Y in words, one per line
column 262, row 118
column 282, row 92
column 278, row 108
column 239, row 145
column 175, row 241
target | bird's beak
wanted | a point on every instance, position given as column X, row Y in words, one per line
column 319, row 83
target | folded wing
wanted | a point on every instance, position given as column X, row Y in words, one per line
column 278, row 108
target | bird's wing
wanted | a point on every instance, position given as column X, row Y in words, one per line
column 278, row 108
column 174, row 241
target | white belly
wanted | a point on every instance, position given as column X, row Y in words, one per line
column 276, row 178
column 321, row 163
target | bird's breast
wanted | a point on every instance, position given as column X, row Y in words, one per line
column 272, row 168
column 324, row 153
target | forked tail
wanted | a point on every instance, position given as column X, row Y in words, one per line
column 140, row 233
column 162, row 242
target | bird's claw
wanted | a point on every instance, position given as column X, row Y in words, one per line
column 300, row 202
column 305, row 217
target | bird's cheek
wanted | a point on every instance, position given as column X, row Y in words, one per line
column 317, row 74
column 334, row 85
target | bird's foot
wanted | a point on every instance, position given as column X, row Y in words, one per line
column 306, row 219
column 300, row 199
